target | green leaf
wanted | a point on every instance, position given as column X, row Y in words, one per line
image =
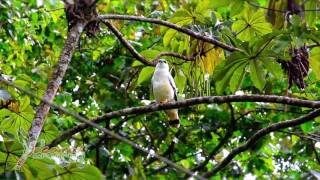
column 138, row 170
column 223, row 68
column 236, row 7
column 311, row 16
column 216, row 4
column 272, row 66
column 221, row 85
column 125, row 149
column 180, row 80
column 145, row 74
column 251, row 24
column 237, row 78
column 49, row 133
column 257, row 74
column 315, row 61
column 17, row 117
column 307, row 127
column 181, row 17
column 168, row 36
column 25, row 103
column 136, row 63
column 79, row 172
column 295, row 20
column 150, row 54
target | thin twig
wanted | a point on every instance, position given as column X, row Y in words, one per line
column 56, row 9
column 276, row 10
column 313, row 45
column 176, row 55
column 248, row 25
column 131, row 49
column 299, row 135
column 269, row 9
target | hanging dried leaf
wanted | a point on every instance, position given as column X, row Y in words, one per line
column 298, row 67
column 209, row 57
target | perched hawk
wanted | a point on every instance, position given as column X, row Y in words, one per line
column 164, row 90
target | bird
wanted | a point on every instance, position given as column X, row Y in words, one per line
column 164, row 90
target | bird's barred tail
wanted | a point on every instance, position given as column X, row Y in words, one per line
column 174, row 123
column 173, row 117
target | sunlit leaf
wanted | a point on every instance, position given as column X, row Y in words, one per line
column 315, row 61
column 145, row 74
column 251, row 24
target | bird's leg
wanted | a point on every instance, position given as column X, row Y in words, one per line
column 164, row 101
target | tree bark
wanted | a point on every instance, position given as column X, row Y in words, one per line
column 54, row 83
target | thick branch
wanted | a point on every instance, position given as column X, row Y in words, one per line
column 261, row 133
column 172, row 26
column 55, row 81
column 186, row 103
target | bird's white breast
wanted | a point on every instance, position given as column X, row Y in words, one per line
column 162, row 88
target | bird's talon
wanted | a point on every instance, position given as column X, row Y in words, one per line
column 163, row 102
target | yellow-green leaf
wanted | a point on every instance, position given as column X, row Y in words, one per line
column 251, row 24
column 145, row 74
column 315, row 61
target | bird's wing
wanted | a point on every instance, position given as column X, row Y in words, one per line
column 151, row 89
column 173, row 85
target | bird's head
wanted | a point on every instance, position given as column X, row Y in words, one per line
column 162, row 64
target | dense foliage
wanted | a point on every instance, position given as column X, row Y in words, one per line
column 104, row 76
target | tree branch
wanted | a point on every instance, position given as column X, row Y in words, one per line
column 131, row 49
column 269, row 9
column 54, row 83
column 172, row 26
column 176, row 55
column 261, row 133
column 300, row 135
column 313, row 45
column 185, row 103
column 138, row 56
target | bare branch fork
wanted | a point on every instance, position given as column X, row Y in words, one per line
column 138, row 56
column 258, row 135
column 172, row 26
column 186, row 103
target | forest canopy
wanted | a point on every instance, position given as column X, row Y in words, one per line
column 76, row 99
